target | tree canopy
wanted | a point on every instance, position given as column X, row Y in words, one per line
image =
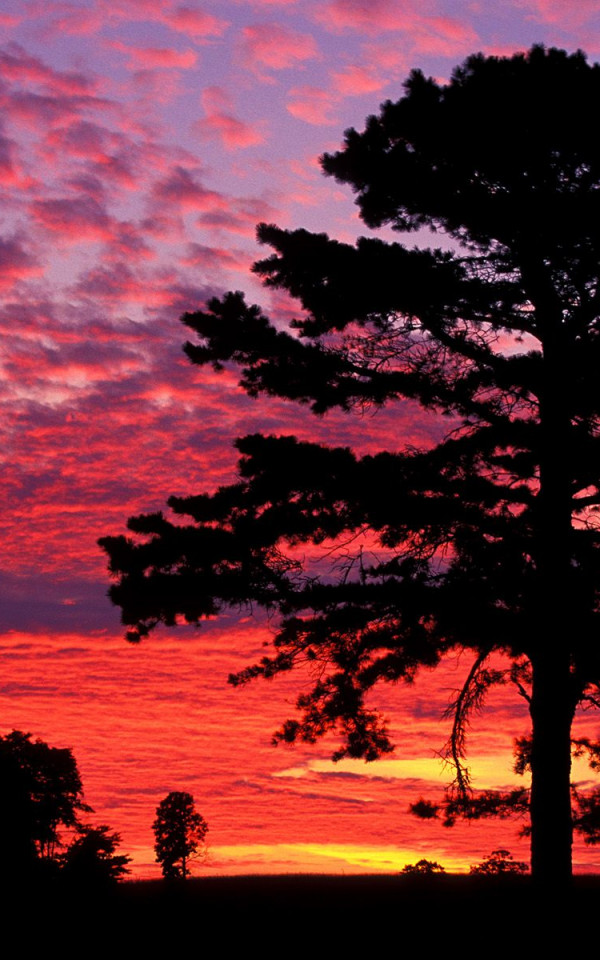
column 486, row 540
column 92, row 859
column 41, row 796
column 41, row 802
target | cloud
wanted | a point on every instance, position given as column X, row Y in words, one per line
column 17, row 65
column 313, row 105
column 73, row 20
column 43, row 109
column 221, row 123
column 444, row 37
column 268, row 3
column 240, row 216
column 356, row 80
column 183, row 188
column 555, row 11
column 426, row 32
column 74, row 218
column 195, row 22
column 276, row 47
column 10, row 175
column 223, row 258
column 149, row 58
column 367, row 16
column 76, row 20
column 119, row 283
column 16, row 262
column 128, row 241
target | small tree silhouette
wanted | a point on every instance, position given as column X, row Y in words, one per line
column 179, row 834
column 498, row 862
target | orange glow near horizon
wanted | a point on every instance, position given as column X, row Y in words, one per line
column 166, row 706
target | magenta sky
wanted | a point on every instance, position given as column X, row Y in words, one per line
column 140, row 142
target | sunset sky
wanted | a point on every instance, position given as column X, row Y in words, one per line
column 140, row 143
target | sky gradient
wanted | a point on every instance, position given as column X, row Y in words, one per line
column 140, row 143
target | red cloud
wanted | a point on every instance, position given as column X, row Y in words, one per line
column 276, row 47
column 313, row 105
column 222, row 123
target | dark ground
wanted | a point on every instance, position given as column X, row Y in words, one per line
column 316, row 915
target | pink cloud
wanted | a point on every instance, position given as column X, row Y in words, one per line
column 276, row 47
column 388, row 57
column 367, row 16
column 445, row 37
column 220, row 122
column 8, row 168
column 183, row 188
column 80, row 138
column 108, row 154
column 355, row 80
column 43, row 109
column 16, row 263
column 74, row 218
column 268, row 3
column 198, row 23
column 118, row 283
column 313, row 105
column 215, row 258
column 240, row 216
column 16, row 64
column 162, row 57
column 557, row 11
column 156, row 86
column 426, row 32
column 9, row 20
column 76, row 21
column 128, row 242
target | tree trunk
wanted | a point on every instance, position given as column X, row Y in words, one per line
column 552, row 700
column 552, row 712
